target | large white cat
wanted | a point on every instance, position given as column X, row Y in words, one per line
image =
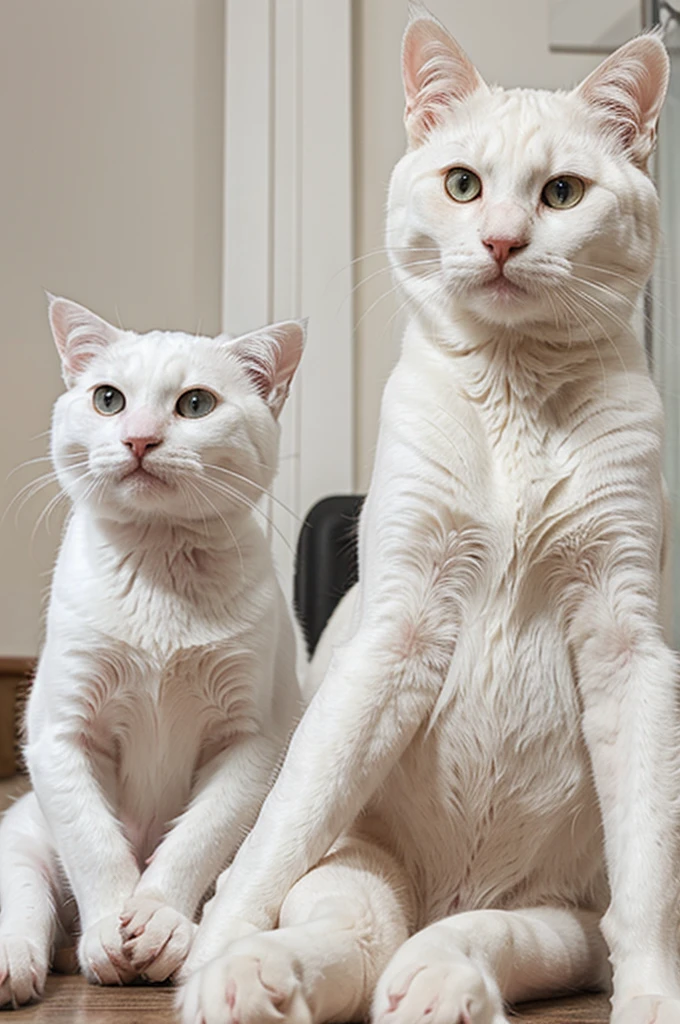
column 166, row 689
column 505, row 705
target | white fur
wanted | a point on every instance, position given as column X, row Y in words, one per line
column 166, row 688
column 503, row 669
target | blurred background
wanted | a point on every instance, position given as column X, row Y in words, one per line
column 212, row 165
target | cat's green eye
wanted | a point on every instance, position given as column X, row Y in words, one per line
column 195, row 403
column 108, row 400
column 462, row 185
column 563, row 192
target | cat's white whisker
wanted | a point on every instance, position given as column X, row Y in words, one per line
column 239, row 497
column 367, row 312
column 193, row 484
column 384, row 252
column 377, row 273
column 28, row 462
column 264, row 491
column 26, row 493
column 607, row 313
column 570, row 303
column 44, row 516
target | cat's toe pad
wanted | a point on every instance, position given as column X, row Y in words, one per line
column 255, row 983
column 648, row 1010
column 23, row 970
column 442, row 991
column 156, row 937
column 101, row 955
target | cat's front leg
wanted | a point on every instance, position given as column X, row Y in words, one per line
column 157, row 923
column 379, row 690
column 99, row 864
column 628, row 679
column 351, row 735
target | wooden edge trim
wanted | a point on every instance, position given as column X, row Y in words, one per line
column 17, row 667
column 16, row 676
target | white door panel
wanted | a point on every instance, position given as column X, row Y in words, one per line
column 287, row 228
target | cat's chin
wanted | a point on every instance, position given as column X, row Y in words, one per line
column 143, row 479
column 137, row 494
column 502, row 303
column 502, row 289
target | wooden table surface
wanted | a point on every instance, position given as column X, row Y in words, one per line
column 70, row 1000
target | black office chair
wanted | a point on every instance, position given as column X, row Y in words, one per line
column 326, row 564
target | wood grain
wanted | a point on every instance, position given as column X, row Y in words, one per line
column 70, row 1000
column 15, row 674
column 7, row 729
column 587, row 1009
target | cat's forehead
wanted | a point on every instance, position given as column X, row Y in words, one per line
column 516, row 133
column 163, row 361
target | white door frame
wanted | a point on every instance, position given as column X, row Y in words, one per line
column 288, row 227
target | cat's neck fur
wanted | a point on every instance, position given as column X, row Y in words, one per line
column 169, row 536
column 190, row 560
column 530, row 368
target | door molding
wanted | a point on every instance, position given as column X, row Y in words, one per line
column 287, row 245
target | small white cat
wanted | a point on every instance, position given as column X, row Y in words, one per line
column 166, row 689
column 433, row 844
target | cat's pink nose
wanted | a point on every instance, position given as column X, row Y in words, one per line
column 503, row 248
column 139, row 446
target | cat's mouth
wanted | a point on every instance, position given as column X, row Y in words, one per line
column 141, row 476
column 502, row 287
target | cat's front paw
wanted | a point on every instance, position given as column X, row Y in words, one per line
column 648, row 1010
column 256, row 982
column 23, row 971
column 449, row 990
column 156, row 937
column 101, row 956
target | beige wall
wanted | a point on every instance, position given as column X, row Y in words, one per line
column 111, row 185
column 508, row 40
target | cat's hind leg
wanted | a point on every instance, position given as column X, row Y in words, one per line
column 29, row 889
column 339, row 925
column 463, row 969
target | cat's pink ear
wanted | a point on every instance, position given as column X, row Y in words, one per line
column 270, row 357
column 627, row 90
column 78, row 334
column 436, row 72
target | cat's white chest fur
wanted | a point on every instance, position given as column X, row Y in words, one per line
column 170, row 635
column 144, row 743
column 159, row 721
column 493, row 802
column 504, row 761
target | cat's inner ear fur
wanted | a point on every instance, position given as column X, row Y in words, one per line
column 270, row 358
column 78, row 334
column 436, row 73
column 627, row 91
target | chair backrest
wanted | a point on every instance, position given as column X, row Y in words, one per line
column 326, row 563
